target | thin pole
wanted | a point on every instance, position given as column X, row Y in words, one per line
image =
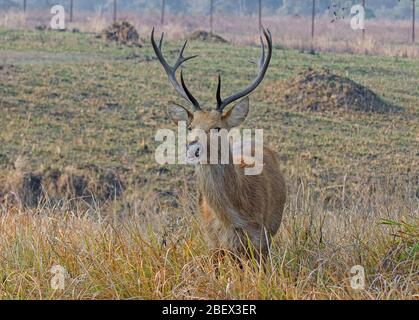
column 114, row 10
column 313, row 14
column 260, row 15
column 24, row 5
column 211, row 14
column 71, row 10
column 163, row 5
column 413, row 22
column 363, row 30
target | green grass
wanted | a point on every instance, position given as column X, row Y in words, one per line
column 99, row 101
column 72, row 100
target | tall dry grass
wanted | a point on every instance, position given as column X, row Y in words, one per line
column 155, row 251
column 13, row 19
column 383, row 36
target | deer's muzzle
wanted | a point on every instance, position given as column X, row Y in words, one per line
column 194, row 152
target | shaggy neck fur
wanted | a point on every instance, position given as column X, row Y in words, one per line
column 220, row 184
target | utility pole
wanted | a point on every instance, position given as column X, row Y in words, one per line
column 114, row 10
column 413, row 22
column 260, row 15
column 163, row 5
column 24, row 5
column 71, row 10
column 211, row 14
column 313, row 14
column 363, row 30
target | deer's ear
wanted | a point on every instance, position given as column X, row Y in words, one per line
column 236, row 115
column 178, row 113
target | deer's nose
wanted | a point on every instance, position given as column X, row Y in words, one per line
column 193, row 152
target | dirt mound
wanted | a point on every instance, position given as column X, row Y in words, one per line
column 85, row 183
column 122, row 32
column 25, row 188
column 30, row 188
column 206, row 36
column 314, row 90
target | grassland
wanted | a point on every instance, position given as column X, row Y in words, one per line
column 74, row 104
column 387, row 37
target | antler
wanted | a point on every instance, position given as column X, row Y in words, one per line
column 171, row 71
column 263, row 66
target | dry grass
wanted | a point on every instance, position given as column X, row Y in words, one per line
column 75, row 106
column 13, row 19
column 158, row 252
column 383, row 36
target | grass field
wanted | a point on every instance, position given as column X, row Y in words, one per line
column 383, row 36
column 86, row 110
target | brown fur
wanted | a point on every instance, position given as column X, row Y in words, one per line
column 236, row 208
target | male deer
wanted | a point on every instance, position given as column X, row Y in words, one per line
column 236, row 209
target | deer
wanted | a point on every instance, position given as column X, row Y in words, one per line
column 236, row 210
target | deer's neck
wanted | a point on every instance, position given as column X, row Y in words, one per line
column 219, row 183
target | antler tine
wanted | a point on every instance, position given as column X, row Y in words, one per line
column 161, row 40
column 181, row 59
column 263, row 67
column 171, row 70
column 190, row 96
column 219, row 100
column 262, row 56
